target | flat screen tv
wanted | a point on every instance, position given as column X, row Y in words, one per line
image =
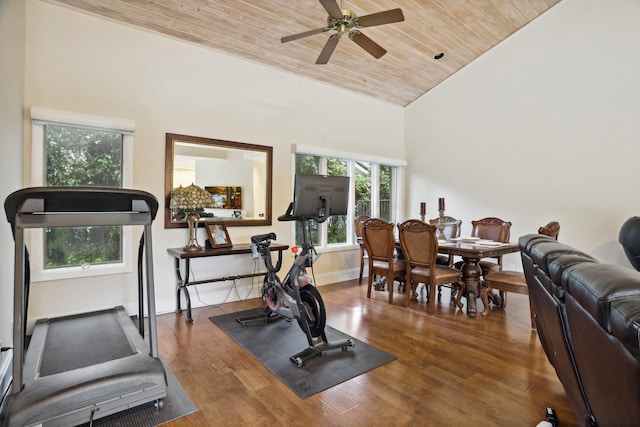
column 320, row 196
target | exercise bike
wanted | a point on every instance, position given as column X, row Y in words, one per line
column 295, row 297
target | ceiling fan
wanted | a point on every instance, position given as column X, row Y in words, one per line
column 344, row 21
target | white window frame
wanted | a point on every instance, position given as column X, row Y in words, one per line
column 40, row 117
column 396, row 210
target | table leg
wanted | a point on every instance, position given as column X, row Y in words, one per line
column 179, row 285
column 182, row 286
column 471, row 274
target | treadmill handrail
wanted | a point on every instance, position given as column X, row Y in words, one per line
column 80, row 219
column 78, row 200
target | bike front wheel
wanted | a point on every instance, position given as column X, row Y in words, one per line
column 313, row 310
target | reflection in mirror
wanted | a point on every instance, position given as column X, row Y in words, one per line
column 237, row 175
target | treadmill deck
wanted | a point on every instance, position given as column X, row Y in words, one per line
column 84, row 367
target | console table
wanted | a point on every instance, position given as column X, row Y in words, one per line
column 238, row 249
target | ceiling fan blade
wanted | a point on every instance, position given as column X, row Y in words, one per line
column 301, row 35
column 328, row 49
column 381, row 18
column 332, row 8
column 367, row 44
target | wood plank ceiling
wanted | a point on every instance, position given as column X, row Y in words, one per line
column 251, row 29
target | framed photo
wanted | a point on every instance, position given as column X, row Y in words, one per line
column 218, row 235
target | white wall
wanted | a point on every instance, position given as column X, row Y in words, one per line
column 545, row 126
column 78, row 62
column 12, row 39
column 561, row 96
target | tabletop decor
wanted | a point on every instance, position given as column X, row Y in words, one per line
column 440, row 233
column 189, row 199
column 218, row 235
column 423, row 210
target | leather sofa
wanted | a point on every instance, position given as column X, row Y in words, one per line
column 588, row 321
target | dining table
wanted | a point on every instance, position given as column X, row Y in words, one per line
column 472, row 250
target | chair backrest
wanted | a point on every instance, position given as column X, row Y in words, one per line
column 452, row 226
column 419, row 242
column 379, row 240
column 629, row 238
column 358, row 223
column 552, row 229
column 491, row 228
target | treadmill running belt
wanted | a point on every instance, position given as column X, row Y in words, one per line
column 79, row 341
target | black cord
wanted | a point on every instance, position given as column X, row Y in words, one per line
column 3, row 349
column 313, row 248
column 312, row 251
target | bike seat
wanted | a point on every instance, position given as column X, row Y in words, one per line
column 259, row 238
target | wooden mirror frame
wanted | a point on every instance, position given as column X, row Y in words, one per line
column 171, row 138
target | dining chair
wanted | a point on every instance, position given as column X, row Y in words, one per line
column 380, row 243
column 495, row 229
column 552, row 229
column 420, row 246
column 514, row 281
column 357, row 227
column 451, row 230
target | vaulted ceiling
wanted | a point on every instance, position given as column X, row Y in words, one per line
column 252, row 29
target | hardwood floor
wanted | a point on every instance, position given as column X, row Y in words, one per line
column 451, row 370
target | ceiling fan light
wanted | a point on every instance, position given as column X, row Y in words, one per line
column 345, row 21
column 348, row 14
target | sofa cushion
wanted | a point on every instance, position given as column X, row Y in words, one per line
column 559, row 262
column 546, row 259
column 625, row 323
column 595, row 286
column 530, row 240
column 543, row 253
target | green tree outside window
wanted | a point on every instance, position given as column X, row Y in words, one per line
column 82, row 157
column 362, row 176
column 385, row 192
column 308, row 165
column 337, row 224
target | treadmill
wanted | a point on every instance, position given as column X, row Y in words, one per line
column 82, row 367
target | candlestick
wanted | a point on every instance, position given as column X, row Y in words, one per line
column 423, row 210
column 440, row 231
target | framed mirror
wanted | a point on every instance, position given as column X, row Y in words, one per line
column 237, row 175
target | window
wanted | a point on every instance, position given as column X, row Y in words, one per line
column 373, row 191
column 70, row 149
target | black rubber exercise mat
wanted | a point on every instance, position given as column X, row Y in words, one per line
column 273, row 343
column 177, row 404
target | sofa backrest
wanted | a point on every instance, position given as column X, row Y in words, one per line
column 629, row 238
column 588, row 318
column 603, row 314
column 542, row 258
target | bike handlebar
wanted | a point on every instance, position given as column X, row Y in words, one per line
column 288, row 217
column 259, row 238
